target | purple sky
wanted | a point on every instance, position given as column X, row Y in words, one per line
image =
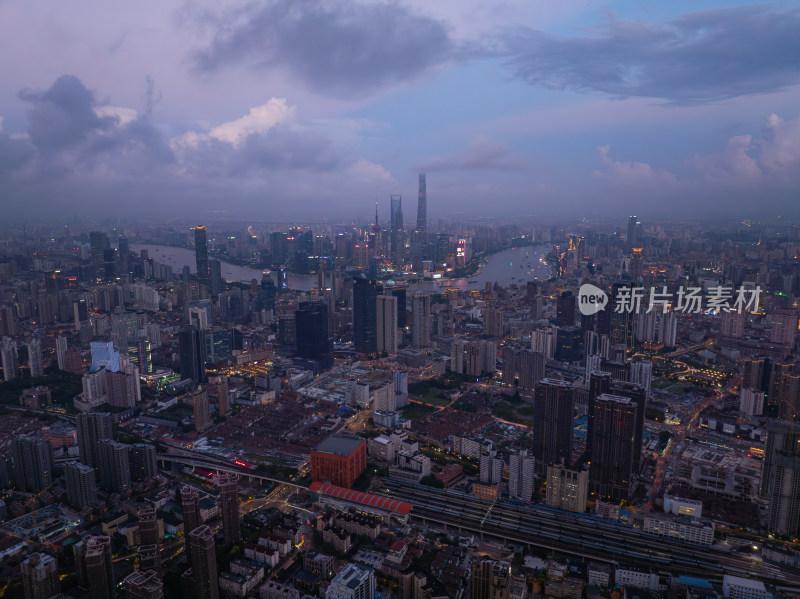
column 313, row 109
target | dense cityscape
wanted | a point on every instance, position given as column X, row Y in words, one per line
column 400, row 299
column 400, row 408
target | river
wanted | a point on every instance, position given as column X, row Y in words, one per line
column 510, row 267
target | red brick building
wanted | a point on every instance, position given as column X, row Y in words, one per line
column 339, row 459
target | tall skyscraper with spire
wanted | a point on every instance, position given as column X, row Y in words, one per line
column 422, row 205
column 201, row 255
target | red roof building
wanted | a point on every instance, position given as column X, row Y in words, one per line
column 362, row 500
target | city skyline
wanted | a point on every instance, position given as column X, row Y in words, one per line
column 535, row 111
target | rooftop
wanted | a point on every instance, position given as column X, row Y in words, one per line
column 339, row 445
column 376, row 501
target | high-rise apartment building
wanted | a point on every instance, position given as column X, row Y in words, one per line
column 190, row 504
column 204, row 563
column 613, row 446
column 200, row 409
column 387, row 324
column 554, row 402
column 92, row 427
column 521, row 470
column 81, row 487
column 229, row 506
column 99, row 567
column 421, row 319
column 33, row 463
column 567, row 489
column 115, row 474
column 40, row 579
column 355, row 581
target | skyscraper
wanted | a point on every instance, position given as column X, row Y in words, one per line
column 35, row 357
column 553, row 404
column 201, row 255
column 422, row 205
column 612, row 447
column 780, row 477
column 365, row 334
column 202, row 415
column 81, row 488
column 531, row 368
column 99, row 566
column 421, row 319
column 191, row 350
column 387, row 324
column 229, row 506
column 634, row 231
column 311, row 333
column 92, row 427
column 40, row 578
column 149, row 555
column 190, row 504
column 204, row 563
column 142, row 460
column 115, row 475
column 61, row 352
column 10, row 358
column 397, row 233
column 33, row 463
column 521, row 470
column 565, row 309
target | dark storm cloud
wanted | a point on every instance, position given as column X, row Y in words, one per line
column 482, row 154
column 698, row 57
column 334, row 47
column 63, row 116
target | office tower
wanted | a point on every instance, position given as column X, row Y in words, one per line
column 638, row 395
column 142, row 461
column 40, row 578
column 99, row 567
column 490, row 579
column 565, row 309
column 400, row 293
column 92, row 427
column 634, row 232
column 397, row 232
column 553, row 404
column 492, row 322
column 421, row 308
column 531, row 368
column 35, row 357
column 6, row 472
column 192, row 365
column 365, row 321
column 442, row 250
column 149, row 555
column 355, row 581
column 215, row 274
column 780, row 477
column 142, row 585
column 124, row 257
column 789, row 394
column 7, row 321
column 204, row 563
column 622, row 329
column 10, row 359
column 521, row 470
column 109, row 264
column 599, row 383
column 190, row 504
column 422, row 205
column 99, row 243
column 569, row 344
column 218, row 387
column 387, row 324
column 144, row 356
column 202, row 415
column 509, row 364
column 115, row 474
column 229, row 506
column 567, row 489
column 201, row 255
column 61, row 352
column 33, row 463
column 490, row 470
column 311, row 333
column 81, row 488
column 612, row 447
column 777, row 373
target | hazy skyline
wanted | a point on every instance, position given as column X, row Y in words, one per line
column 288, row 109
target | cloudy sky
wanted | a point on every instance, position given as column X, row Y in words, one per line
column 303, row 109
